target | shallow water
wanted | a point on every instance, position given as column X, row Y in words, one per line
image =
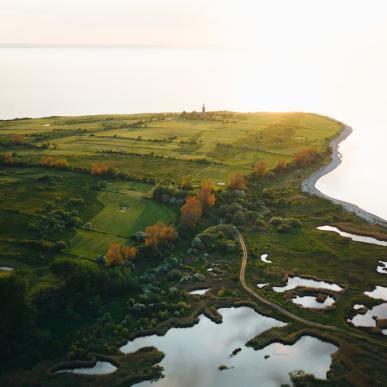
column 311, row 302
column 264, row 258
column 354, row 237
column 194, row 354
column 379, row 292
column 100, row 368
column 295, row 282
column 200, row 291
column 6, row 268
column 366, row 320
column 382, row 268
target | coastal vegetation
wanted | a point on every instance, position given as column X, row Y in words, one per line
column 113, row 220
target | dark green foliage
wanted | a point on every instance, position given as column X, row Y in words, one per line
column 56, row 221
column 17, row 313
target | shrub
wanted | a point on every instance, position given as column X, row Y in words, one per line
column 276, row 221
column 294, row 222
column 174, row 275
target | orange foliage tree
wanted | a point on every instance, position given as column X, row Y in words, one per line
column 99, row 168
column 206, row 194
column 114, row 256
column 260, row 168
column 159, row 234
column 306, row 156
column 185, row 182
column 130, row 252
column 7, row 158
column 17, row 139
column 191, row 212
column 237, row 181
column 281, row 165
column 50, row 161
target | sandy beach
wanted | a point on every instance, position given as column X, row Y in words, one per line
column 309, row 185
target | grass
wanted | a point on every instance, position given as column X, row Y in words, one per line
column 228, row 141
column 169, row 147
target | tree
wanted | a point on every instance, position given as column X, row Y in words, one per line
column 49, row 161
column 281, row 165
column 185, row 183
column 17, row 313
column 159, row 234
column 206, row 194
column 130, row 252
column 237, row 181
column 114, row 256
column 7, row 158
column 305, row 156
column 260, row 168
column 17, row 139
column 191, row 212
column 99, row 168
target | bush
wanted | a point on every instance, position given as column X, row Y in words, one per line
column 174, row 275
column 293, row 222
column 276, row 221
column 260, row 223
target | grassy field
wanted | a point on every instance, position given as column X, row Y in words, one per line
column 178, row 145
column 168, row 147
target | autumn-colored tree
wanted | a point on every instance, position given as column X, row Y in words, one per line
column 206, row 194
column 260, row 168
column 50, row 161
column 114, row 256
column 281, row 165
column 305, row 156
column 62, row 163
column 159, row 234
column 185, row 182
column 130, row 252
column 191, row 212
column 237, row 181
column 7, row 158
column 99, row 168
column 17, row 139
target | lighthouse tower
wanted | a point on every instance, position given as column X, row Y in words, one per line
column 203, row 109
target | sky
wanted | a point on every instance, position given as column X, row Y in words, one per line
column 299, row 24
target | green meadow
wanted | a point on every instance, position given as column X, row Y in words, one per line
column 57, row 222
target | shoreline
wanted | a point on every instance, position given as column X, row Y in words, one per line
column 309, row 184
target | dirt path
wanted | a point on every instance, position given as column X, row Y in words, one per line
column 351, row 333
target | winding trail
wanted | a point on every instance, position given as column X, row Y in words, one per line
column 352, row 333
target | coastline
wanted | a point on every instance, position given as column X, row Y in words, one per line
column 309, row 184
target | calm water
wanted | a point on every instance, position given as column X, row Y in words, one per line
column 354, row 237
column 295, row 282
column 311, row 302
column 100, row 368
column 69, row 81
column 193, row 355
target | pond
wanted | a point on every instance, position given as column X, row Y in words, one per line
column 311, row 302
column 295, row 282
column 200, row 291
column 100, row 368
column 368, row 319
column 194, row 354
column 264, row 258
column 379, row 292
column 382, row 268
column 6, row 268
column 354, row 237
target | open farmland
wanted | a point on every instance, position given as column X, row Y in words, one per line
column 170, row 146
